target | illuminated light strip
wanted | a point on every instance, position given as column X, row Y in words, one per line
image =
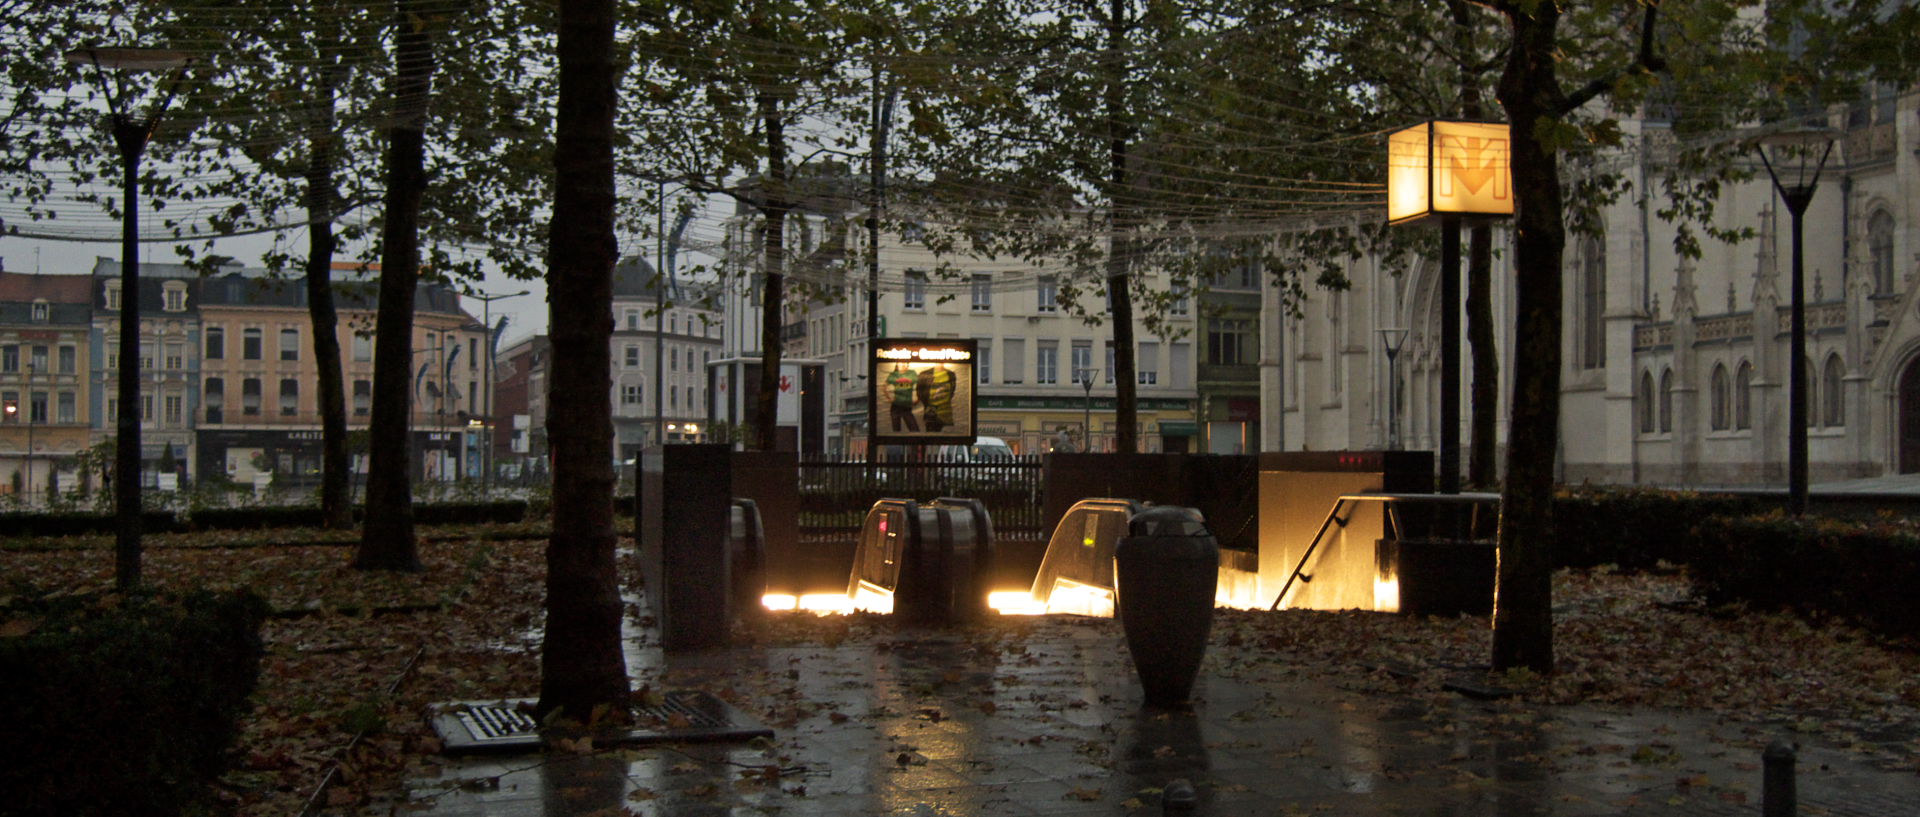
column 1015, row 603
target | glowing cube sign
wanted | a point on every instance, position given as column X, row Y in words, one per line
column 1447, row 167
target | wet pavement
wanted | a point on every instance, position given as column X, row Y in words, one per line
column 1044, row 717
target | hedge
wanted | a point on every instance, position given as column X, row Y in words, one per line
column 124, row 709
column 24, row 523
column 1864, row 572
column 1634, row 528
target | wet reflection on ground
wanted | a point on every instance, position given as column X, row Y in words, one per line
column 1045, row 718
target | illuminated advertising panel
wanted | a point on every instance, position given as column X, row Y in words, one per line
column 923, row 392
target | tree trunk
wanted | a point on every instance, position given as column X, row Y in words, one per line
column 387, row 541
column 336, row 505
column 582, row 668
column 773, row 218
column 1523, row 597
column 1120, row 241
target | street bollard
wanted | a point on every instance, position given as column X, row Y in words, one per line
column 1778, row 798
column 1166, row 571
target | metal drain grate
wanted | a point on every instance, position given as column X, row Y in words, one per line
column 689, row 715
column 495, row 722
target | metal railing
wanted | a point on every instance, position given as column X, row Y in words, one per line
column 835, row 495
column 1442, row 515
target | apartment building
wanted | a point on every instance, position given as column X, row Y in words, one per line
column 169, row 364
column 1040, row 366
column 258, row 397
column 45, row 344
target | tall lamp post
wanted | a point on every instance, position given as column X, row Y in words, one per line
column 1794, row 159
column 1086, row 385
column 486, row 300
column 131, row 133
column 1394, row 337
column 1446, row 170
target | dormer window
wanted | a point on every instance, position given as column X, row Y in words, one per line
column 40, row 311
column 113, row 295
column 175, row 297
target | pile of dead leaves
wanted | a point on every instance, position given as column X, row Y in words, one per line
column 1631, row 640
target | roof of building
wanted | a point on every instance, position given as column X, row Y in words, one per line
column 61, row 289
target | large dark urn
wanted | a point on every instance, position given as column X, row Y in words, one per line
column 1165, row 573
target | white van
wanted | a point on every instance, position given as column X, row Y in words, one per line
column 984, row 449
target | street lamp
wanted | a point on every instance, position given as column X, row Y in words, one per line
column 1086, row 385
column 131, row 133
column 1794, row 159
column 486, row 300
column 1394, row 337
column 1445, row 170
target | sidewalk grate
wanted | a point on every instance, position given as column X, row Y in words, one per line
column 506, row 726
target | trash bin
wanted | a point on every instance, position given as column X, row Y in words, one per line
column 1166, row 571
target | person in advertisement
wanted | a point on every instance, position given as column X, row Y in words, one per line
column 902, row 384
column 935, row 391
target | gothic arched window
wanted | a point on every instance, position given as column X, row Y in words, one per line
column 1834, row 400
column 1646, row 402
column 1743, row 396
column 1666, row 401
column 1880, row 251
column 1721, row 415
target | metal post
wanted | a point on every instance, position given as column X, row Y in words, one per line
column 486, row 456
column 659, row 313
column 1798, row 152
column 1086, row 384
column 126, row 461
column 485, row 409
column 28, row 497
column 1797, row 202
column 1450, row 355
column 130, row 134
column 1393, row 338
column 1778, row 798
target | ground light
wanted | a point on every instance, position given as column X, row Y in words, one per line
column 1068, row 598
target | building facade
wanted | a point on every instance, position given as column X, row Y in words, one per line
column 661, row 348
column 1040, row 366
column 169, row 367
column 1675, row 369
column 258, row 398
column 45, row 371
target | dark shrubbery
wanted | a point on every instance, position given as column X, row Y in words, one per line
column 272, row 516
column 499, row 511
column 123, row 709
column 25, row 523
column 1634, row 528
column 1863, row 572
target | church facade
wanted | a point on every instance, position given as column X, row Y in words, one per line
column 1674, row 369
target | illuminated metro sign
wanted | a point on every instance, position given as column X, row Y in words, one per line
column 1449, row 167
column 922, row 392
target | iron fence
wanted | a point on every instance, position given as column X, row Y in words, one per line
column 835, row 495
